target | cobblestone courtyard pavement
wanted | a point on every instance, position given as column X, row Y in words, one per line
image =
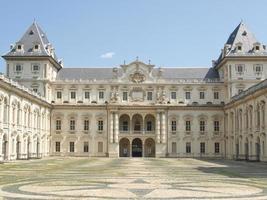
column 134, row 178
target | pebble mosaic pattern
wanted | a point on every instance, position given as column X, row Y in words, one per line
column 132, row 178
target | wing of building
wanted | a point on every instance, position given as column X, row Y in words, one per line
column 135, row 109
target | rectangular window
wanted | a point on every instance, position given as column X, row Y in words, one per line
column 216, row 95
column 72, row 125
column 100, row 147
column 240, row 68
column 100, row 125
column 202, row 147
column 59, row 94
column 87, row 95
column 173, row 95
column 18, row 68
column 174, row 147
column 258, row 68
column 57, row 146
column 149, row 96
column 173, row 126
column 125, row 96
column 188, row 147
column 85, row 147
column 187, row 95
column 101, row 95
column 71, row 146
column 86, row 125
column 73, row 95
column 58, row 124
column 202, row 126
column 188, row 125
column 202, row 95
column 35, row 67
column 35, row 90
column 217, row 147
column 149, row 126
column 216, row 126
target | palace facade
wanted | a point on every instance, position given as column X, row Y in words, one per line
column 136, row 109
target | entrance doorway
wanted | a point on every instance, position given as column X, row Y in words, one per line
column 137, row 147
column 124, row 147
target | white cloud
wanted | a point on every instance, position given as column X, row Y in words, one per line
column 107, row 55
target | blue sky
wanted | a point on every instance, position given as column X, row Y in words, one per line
column 171, row 33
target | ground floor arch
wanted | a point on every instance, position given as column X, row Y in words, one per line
column 124, row 147
column 137, row 147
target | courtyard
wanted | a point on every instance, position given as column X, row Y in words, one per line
column 135, row 178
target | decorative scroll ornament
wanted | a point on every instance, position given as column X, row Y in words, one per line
column 137, row 77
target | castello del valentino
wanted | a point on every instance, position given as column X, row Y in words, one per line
column 136, row 109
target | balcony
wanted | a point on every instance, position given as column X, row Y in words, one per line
column 136, row 132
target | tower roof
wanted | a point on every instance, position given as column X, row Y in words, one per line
column 33, row 37
column 242, row 42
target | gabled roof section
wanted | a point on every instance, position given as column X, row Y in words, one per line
column 107, row 73
column 241, row 42
column 33, row 36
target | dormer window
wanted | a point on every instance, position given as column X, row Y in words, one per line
column 239, row 46
column 36, row 47
column 19, row 47
column 257, row 48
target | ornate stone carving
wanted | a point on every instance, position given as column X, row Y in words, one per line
column 137, row 77
column 137, row 94
column 114, row 95
column 161, row 96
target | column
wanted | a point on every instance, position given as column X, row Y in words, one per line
column 1, row 148
column 111, row 128
column 158, row 127
column 163, row 128
column 116, row 130
column 130, row 148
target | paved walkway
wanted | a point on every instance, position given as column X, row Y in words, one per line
column 134, row 178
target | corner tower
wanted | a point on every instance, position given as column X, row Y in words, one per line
column 32, row 61
column 242, row 62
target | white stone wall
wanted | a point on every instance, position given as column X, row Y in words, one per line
column 24, row 125
column 246, row 125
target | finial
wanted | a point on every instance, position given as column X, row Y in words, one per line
column 137, row 58
column 124, row 62
column 149, row 61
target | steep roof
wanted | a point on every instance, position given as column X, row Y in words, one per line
column 244, row 37
column 33, row 36
column 106, row 73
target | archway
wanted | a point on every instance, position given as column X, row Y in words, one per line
column 18, row 147
column 137, row 147
column 4, row 147
column 149, row 123
column 28, row 147
column 149, row 148
column 137, row 123
column 258, row 149
column 38, row 148
column 246, row 149
column 124, row 123
column 124, row 147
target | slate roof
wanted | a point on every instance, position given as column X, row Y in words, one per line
column 243, row 35
column 259, row 86
column 33, row 36
column 106, row 73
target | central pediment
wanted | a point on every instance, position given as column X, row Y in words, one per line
column 137, row 72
